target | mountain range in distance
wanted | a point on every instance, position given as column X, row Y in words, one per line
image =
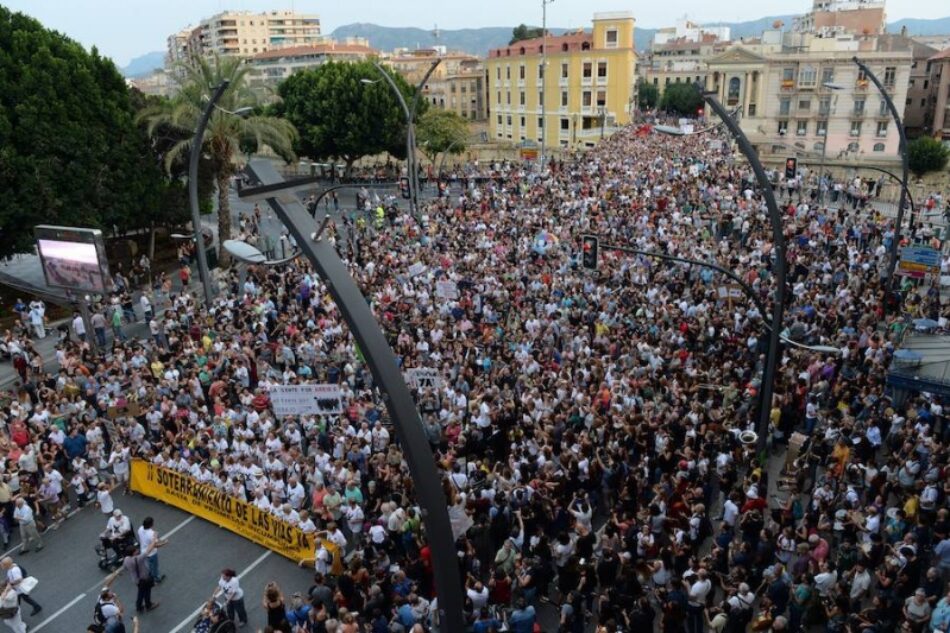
column 479, row 41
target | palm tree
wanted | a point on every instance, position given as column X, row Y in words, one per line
column 227, row 133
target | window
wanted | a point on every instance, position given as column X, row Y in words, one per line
column 859, row 106
column 521, row 98
column 923, row 103
column 824, row 106
column 498, row 73
column 565, row 123
column 601, row 98
column 540, row 123
column 732, row 95
column 751, row 109
column 540, row 71
column 784, row 106
column 882, row 128
column 586, row 98
column 588, row 68
column 521, row 71
column 508, row 118
column 827, row 75
column 788, row 74
column 802, row 128
column 804, row 105
column 912, row 82
column 564, row 98
column 667, row 82
column 601, row 70
column 882, row 110
column 656, row 81
column 499, row 98
column 926, row 83
column 522, row 123
column 565, row 68
column 508, row 97
column 821, row 128
column 782, row 127
column 862, row 76
column 807, row 76
column 507, row 72
column 890, row 76
column 855, row 128
column 610, row 38
column 540, row 98
column 879, row 147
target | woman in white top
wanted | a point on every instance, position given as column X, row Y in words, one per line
column 8, row 601
column 230, row 589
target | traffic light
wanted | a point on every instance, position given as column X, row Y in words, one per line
column 589, row 252
column 791, row 168
column 404, row 188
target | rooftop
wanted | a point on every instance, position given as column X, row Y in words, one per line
column 576, row 40
column 315, row 49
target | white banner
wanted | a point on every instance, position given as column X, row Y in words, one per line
column 447, row 290
column 423, row 377
column 308, row 399
column 417, row 269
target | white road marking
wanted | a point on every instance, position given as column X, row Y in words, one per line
column 189, row 621
column 179, row 526
column 58, row 613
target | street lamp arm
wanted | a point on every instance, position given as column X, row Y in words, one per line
column 193, row 157
column 399, row 95
column 905, row 167
column 418, row 95
column 388, row 378
column 778, row 247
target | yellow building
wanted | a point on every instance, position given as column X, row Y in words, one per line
column 590, row 85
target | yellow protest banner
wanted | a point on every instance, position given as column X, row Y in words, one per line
column 207, row 502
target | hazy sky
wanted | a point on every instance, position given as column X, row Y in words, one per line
column 124, row 29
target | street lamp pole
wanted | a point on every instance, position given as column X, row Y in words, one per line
column 544, row 74
column 193, row 157
column 410, row 113
column 895, row 243
column 388, row 377
column 779, row 265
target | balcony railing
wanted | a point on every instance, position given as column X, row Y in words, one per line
column 788, row 84
column 861, row 85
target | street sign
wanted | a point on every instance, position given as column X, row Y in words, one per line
column 916, row 261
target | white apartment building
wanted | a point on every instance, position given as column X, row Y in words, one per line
column 244, row 34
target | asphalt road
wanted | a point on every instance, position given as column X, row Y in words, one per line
column 70, row 579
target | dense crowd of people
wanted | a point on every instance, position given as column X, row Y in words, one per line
column 595, row 428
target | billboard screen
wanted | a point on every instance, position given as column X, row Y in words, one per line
column 73, row 258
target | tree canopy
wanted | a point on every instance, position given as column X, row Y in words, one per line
column 441, row 131
column 228, row 135
column 927, row 154
column 682, row 99
column 648, row 95
column 522, row 32
column 346, row 111
column 70, row 151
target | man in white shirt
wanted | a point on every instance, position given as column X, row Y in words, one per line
column 147, row 535
column 118, row 527
column 79, row 328
column 29, row 535
column 14, row 577
column 697, row 601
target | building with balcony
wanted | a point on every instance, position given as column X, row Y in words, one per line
column 270, row 68
column 457, row 84
column 678, row 54
column 244, row 34
column 801, row 93
column 939, row 124
column 590, row 86
column 917, row 104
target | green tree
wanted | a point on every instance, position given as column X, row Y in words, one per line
column 648, row 95
column 228, row 134
column 522, row 32
column 927, row 154
column 70, row 152
column 682, row 99
column 346, row 111
column 441, row 131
